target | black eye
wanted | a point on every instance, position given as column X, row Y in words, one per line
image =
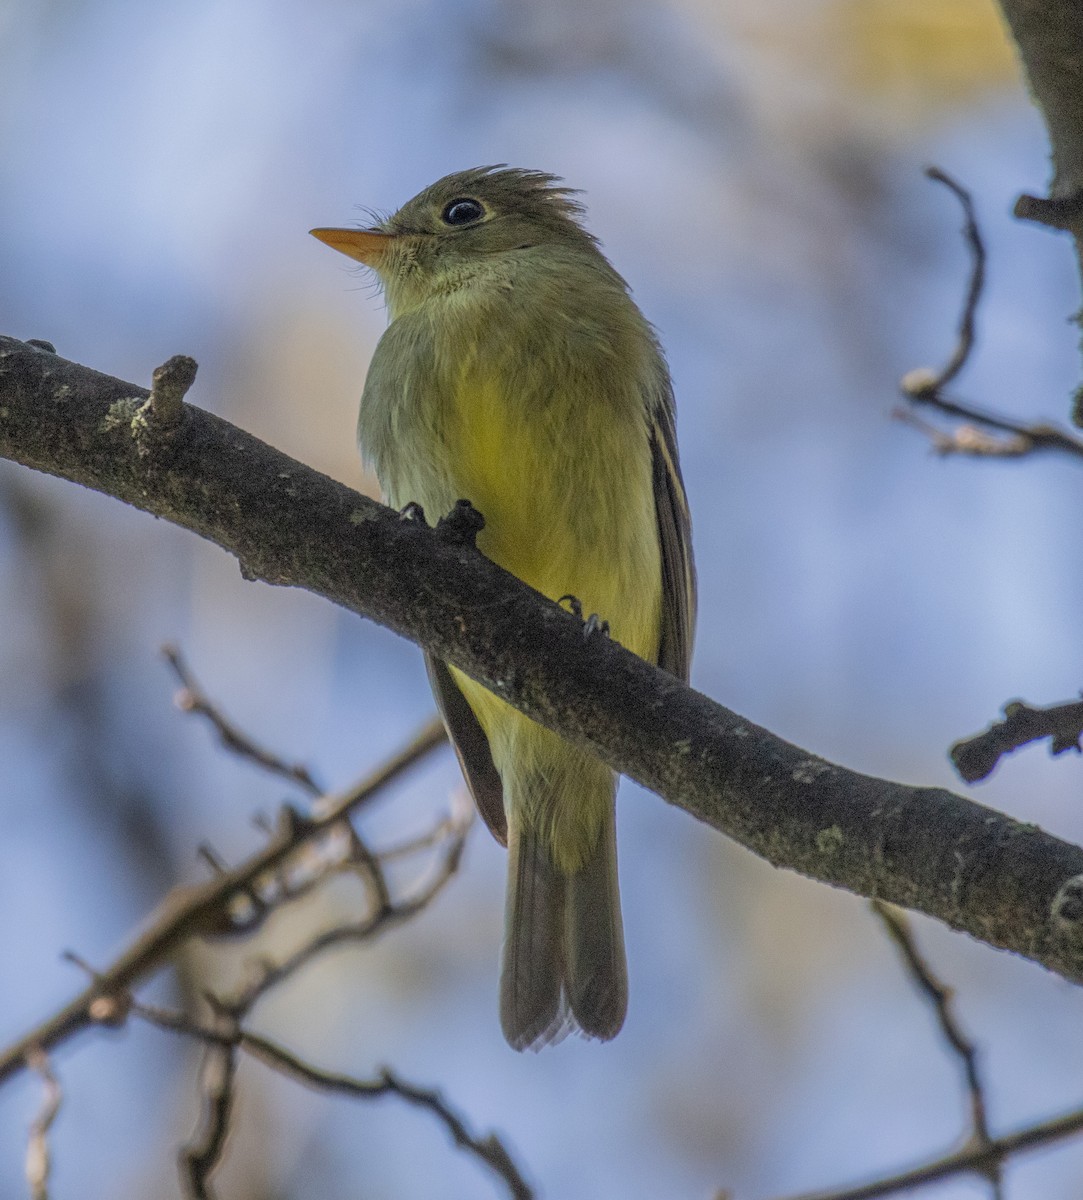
column 463, row 211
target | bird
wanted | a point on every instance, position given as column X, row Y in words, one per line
column 517, row 372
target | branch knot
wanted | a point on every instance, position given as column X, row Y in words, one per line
column 163, row 412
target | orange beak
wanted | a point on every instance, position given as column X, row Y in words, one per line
column 365, row 245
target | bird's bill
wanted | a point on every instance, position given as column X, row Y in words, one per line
column 365, row 245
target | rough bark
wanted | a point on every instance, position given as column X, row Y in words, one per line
column 1049, row 38
column 1008, row 884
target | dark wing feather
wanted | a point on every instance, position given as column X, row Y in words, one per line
column 471, row 747
column 675, row 539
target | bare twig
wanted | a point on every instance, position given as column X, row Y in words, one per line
column 971, row 1159
column 982, row 1155
column 921, row 382
column 38, row 1159
column 976, row 757
column 192, row 699
column 940, row 996
column 203, row 1151
column 225, row 1035
column 1021, row 438
column 169, row 385
column 967, row 439
column 156, row 422
column 415, row 845
column 926, row 386
column 384, row 915
column 488, row 1149
column 1060, row 212
column 203, row 910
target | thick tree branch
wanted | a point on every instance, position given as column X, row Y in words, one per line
column 1049, row 35
column 1006, row 883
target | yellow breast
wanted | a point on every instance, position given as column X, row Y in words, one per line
column 565, row 487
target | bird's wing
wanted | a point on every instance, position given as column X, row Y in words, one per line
column 471, row 747
column 675, row 539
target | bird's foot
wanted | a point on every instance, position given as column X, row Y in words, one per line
column 461, row 526
column 592, row 625
column 575, row 606
column 595, row 626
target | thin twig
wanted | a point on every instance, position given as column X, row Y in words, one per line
column 424, row 841
column 38, row 1159
column 225, row 1035
column 203, row 910
column 488, row 1149
column 202, row 1154
column 925, row 385
column 967, row 439
column 971, row 1159
column 203, row 1151
column 924, row 381
column 983, row 1154
column 1022, row 439
column 384, row 915
column 939, row 996
column 976, row 757
column 192, row 699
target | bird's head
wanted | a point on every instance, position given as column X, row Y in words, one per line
column 465, row 225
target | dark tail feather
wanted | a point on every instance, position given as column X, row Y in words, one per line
column 596, row 971
column 531, row 1010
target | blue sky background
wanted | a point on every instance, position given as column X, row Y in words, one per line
column 754, row 170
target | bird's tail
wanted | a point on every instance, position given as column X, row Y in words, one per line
column 564, row 965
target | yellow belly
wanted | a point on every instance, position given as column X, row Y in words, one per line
column 569, row 508
column 568, row 503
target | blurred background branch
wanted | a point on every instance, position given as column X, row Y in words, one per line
column 305, row 853
column 987, row 434
column 237, row 901
column 38, row 1156
column 981, row 1153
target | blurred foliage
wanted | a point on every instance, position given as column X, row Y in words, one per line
column 899, row 64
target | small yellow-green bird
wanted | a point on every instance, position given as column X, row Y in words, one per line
column 518, row 373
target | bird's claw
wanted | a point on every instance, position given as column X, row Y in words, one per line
column 575, row 606
column 462, row 525
column 594, row 625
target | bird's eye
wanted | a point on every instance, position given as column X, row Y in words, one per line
column 463, row 211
